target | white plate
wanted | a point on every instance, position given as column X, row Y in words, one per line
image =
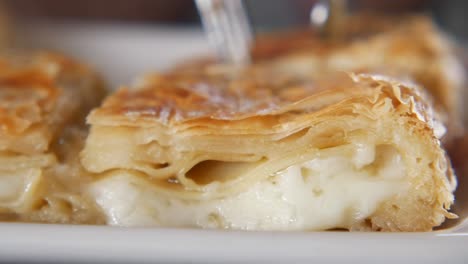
column 119, row 51
column 123, row 52
column 54, row 243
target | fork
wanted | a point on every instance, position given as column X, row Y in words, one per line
column 328, row 16
column 228, row 29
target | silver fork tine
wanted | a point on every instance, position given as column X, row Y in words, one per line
column 328, row 16
column 227, row 27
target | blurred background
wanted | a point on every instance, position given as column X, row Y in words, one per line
column 265, row 15
column 125, row 38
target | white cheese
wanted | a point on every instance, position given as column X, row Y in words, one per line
column 19, row 189
column 323, row 193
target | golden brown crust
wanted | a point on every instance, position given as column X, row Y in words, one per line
column 173, row 99
column 26, row 96
column 223, row 94
column 39, row 94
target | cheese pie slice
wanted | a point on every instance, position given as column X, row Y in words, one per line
column 44, row 98
column 234, row 151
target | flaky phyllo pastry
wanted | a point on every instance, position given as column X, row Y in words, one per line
column 407, row 48
column 212, row 150
column 44, row 98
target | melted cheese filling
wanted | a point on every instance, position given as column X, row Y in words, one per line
column 19, row 189
column 21, row 180
column 323, row 193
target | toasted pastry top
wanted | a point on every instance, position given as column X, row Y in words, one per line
column 255, row 101
column 39, row 93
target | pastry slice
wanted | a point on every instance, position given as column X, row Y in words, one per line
column 357, row 152
column 406, row 47
column 43, row 96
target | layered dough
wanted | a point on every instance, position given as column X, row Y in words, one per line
column 237, row 151
column 43, row 98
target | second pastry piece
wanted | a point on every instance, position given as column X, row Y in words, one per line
column 409, row 47
column 43, row 100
